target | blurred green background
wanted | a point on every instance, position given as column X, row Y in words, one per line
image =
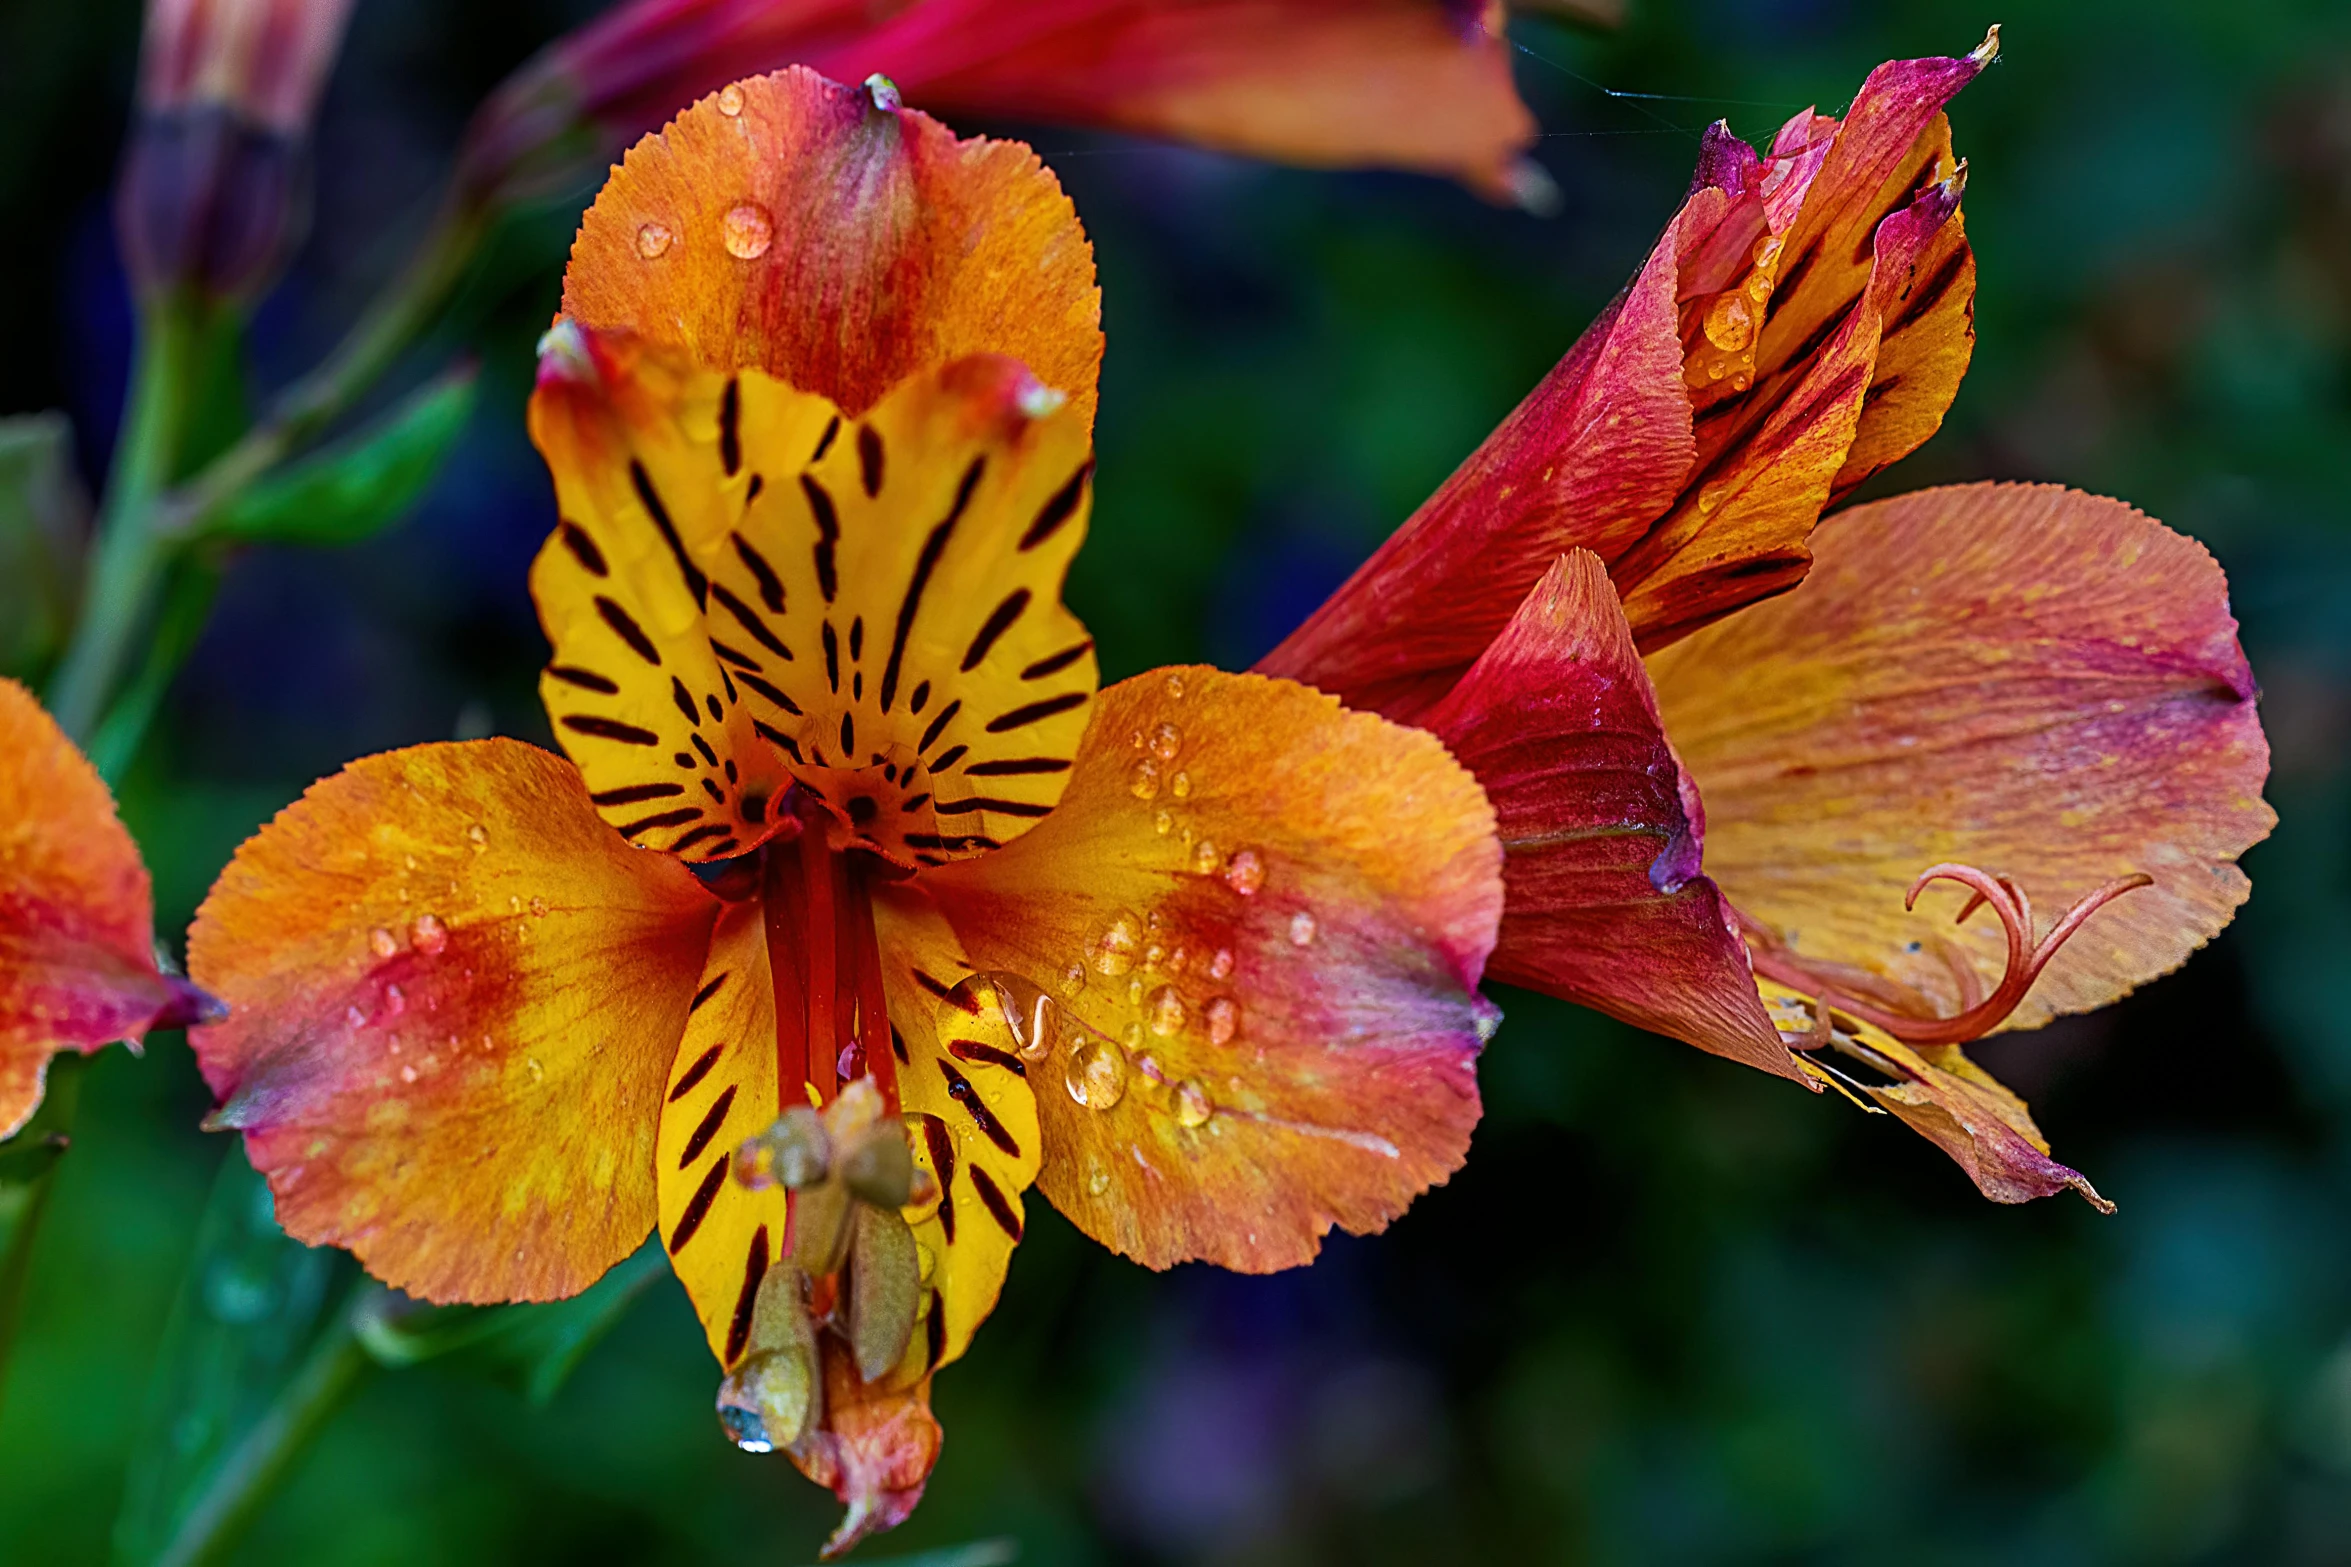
column 1672, row 1311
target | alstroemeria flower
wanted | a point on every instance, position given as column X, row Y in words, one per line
column 212, row 192
column 1414, row 84
column 2005, row 692
column 845, row 824
column 77, row 928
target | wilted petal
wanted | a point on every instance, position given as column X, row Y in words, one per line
column 840, row 243
column 456, row 995
column 77, row 940
column 1802, row 322
column 1601, row 843
column 876, row 1450
column 1261, row 918
column 2030, row 680
column 1943, row 1096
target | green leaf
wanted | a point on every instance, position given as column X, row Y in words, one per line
column 531, row 1348
column 248, row 1307
column 359, row 486
column 44, row 533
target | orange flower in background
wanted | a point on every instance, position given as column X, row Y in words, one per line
column 853, row 883
column 77, row 933
column 1721, row 843
column 1412, row 84
column 212, row 193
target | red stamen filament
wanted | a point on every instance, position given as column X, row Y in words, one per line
column 1979, row 1013
column 823, row 1044
column 825, row 962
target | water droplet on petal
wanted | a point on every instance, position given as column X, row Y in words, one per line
column 355, row 1017
column 1205, row 857
column 746, row 232
column 383, row 942
column 1221, row 966
column 1191, row 1104
column 653, row 241
column 1180, row 786
column 1175, row 687
column 428, row 934
column 1096, row 1074
column 1115, row 948
column 1730, row 323
column 408, row 1074
column 538, row 908
column 1302, row 928
column 730, row 100
column 1167, row 1011
column 479, row 834
column 538, row 1072
column 1246, row 874
column 1073, row 979
column 1224, row 1020
column 1767, row 250
column 1098, row 1180
column 1166, row 741
column 395, row 1002
column 1163, row 823
column 1143, row 782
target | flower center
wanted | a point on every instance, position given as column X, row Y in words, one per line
column 1903, row 1012
column 832, row 1022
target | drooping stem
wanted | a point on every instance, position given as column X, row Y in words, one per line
column 250, row 1474
column 118, row 597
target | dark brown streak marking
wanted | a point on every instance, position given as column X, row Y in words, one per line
column 585, row 679
column 1055, row 513
column 1925, row 297
column 939, row 724
column 702, row 1063
column 1035, row 712
column 739, row 659
column 828, row 534
column 987, row 1055
column 730, row 426
column 677, row 818
column 936, row 1138
column 1017, row 767
column 998, row 622
column 624, row 625
column 998, row 1208
column 1055, row 663
column 1002, row 807
column 702, row 834
column 898, row 1044
column 869, row 460
column 946, row 993
column 776, row 737
column 583, row 548
column 754, row 1270
column 750, row 621
column 702, row 745
column 848, row 734
column 934, row 1328
column 712, row 1119
column 926, row 563
column 698, row 1208
column 684, row 700
column 949, row 757
column 717, row 795
column 609, row 729
column 718, row 714
column 634, row 793
column 824, row 442
column 771, row 586
column 832, row 658
column 960, row 1090
column 856, row 638
column 696, row 583
column 773, row 693
column 702, row 999
column 914, row 802
column 921, row 698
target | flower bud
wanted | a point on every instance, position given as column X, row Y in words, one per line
column 885, row 1288
column 214, row 190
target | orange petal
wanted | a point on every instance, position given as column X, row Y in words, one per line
column 1263, row 917
column 1601, row 851
column 1943, row 1096
column 77, row 941
column 802, row 228
column 455, row 996
column 748, row 589
column 2038, row 682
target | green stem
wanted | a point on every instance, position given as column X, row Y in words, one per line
column 392, row 322
column 33, row 1156
column 251, row 1472
column 117, row 598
